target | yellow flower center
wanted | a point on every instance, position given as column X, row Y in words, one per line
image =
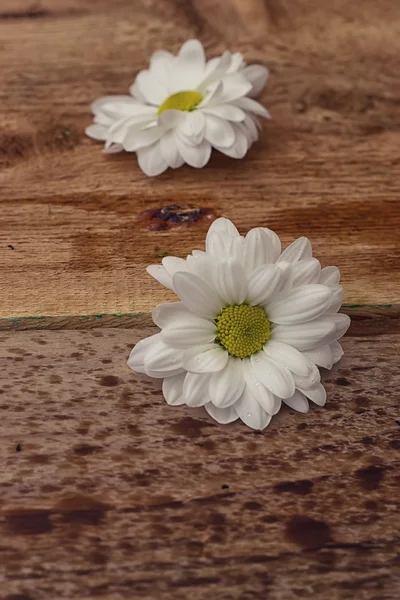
column 242, row 329
column 181, row 101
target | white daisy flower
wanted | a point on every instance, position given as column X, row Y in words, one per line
column 181, row 108
column 252, row 326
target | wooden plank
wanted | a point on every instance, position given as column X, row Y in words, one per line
column 113, row 494
column 71, row 242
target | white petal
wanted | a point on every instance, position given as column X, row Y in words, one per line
column 337, row 298
column 151, row 87
column 120, row 128
column 189, row 66
column 169, row 313
column 257, row 75
column 136, row 139
column 227, row 385
column 234, row 86
column 195, row 156
column 113, row 149
column 287, row 276
column 251, row 412
column 311, row 380
column 160, row 274
column 252, row 106
column 98, row 132
column 204, row 266
column 151, row 160
column 173, row 264
column 190, row 330
column 305, row 336
column 298, row 250
column 287, row 357
column 171, row 118
column 259, row 249
column 170, row 152
column 193, row 126
column 303, row 304
column 163, row 360
column 197, row 295
column 306, row 271
column 223, row 226
column 172, row 389
column 138, row 353
column 205, row 359
column 275, row 377
column 222, row 415
column 298, row 402
column 238, row 148
column 117, row 107
column 337, row 351
column 276, row 242
column 263, row 283
column 231, row 282
column 195, row 389
column 268, row 401
column 329, row 276
column 215, row 69
column 316, row 393
column 225, row 111
column 237, row 62
column 342, row 323
column 219, row 132
column 321, row 356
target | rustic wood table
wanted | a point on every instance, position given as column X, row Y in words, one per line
column 106, row 491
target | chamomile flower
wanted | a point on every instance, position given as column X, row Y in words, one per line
column 181, row 108
column 251, row 327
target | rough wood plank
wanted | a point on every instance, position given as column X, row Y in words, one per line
column 327, row 165
column 113, row 494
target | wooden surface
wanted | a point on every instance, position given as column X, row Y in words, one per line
column 114, row 494
column 105, row 491
column 327, row 165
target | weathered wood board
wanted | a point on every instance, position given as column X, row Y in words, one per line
column 114, row 494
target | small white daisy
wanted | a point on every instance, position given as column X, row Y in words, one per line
column 181, row 108
column 252, row 326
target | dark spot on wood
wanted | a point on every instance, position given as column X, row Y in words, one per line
column 371, row 505
column 395, row 444
column 301, row 426
column 85, row 449
column 55, row 379
column 370, row 478
column 302, row 487
column 252, row 505
column 224, row 486
column 107, row 361
column 57, row 136
column 342, row 381
column 269, row 519
column 307, row 532
column 28, row 522
column 159, row 219
column 362, row 401
column 195, row 582
column 368, row 441
column 12, row 147
column 80, row 509
column 18, row 448
column 76, row 354
column 190, row 427
column 207, row 445
column 40, row 459
column 398, row 421
column 31, row 13
column 109, row 381
column 11, row 247
column 361, row 368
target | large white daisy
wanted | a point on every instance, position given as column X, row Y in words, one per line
column 181, row 108
column 252, row 326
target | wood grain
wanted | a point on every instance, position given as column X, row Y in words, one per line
column 107, row 492
column 327, row 166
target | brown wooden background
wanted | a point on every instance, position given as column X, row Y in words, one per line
column 105, row 491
